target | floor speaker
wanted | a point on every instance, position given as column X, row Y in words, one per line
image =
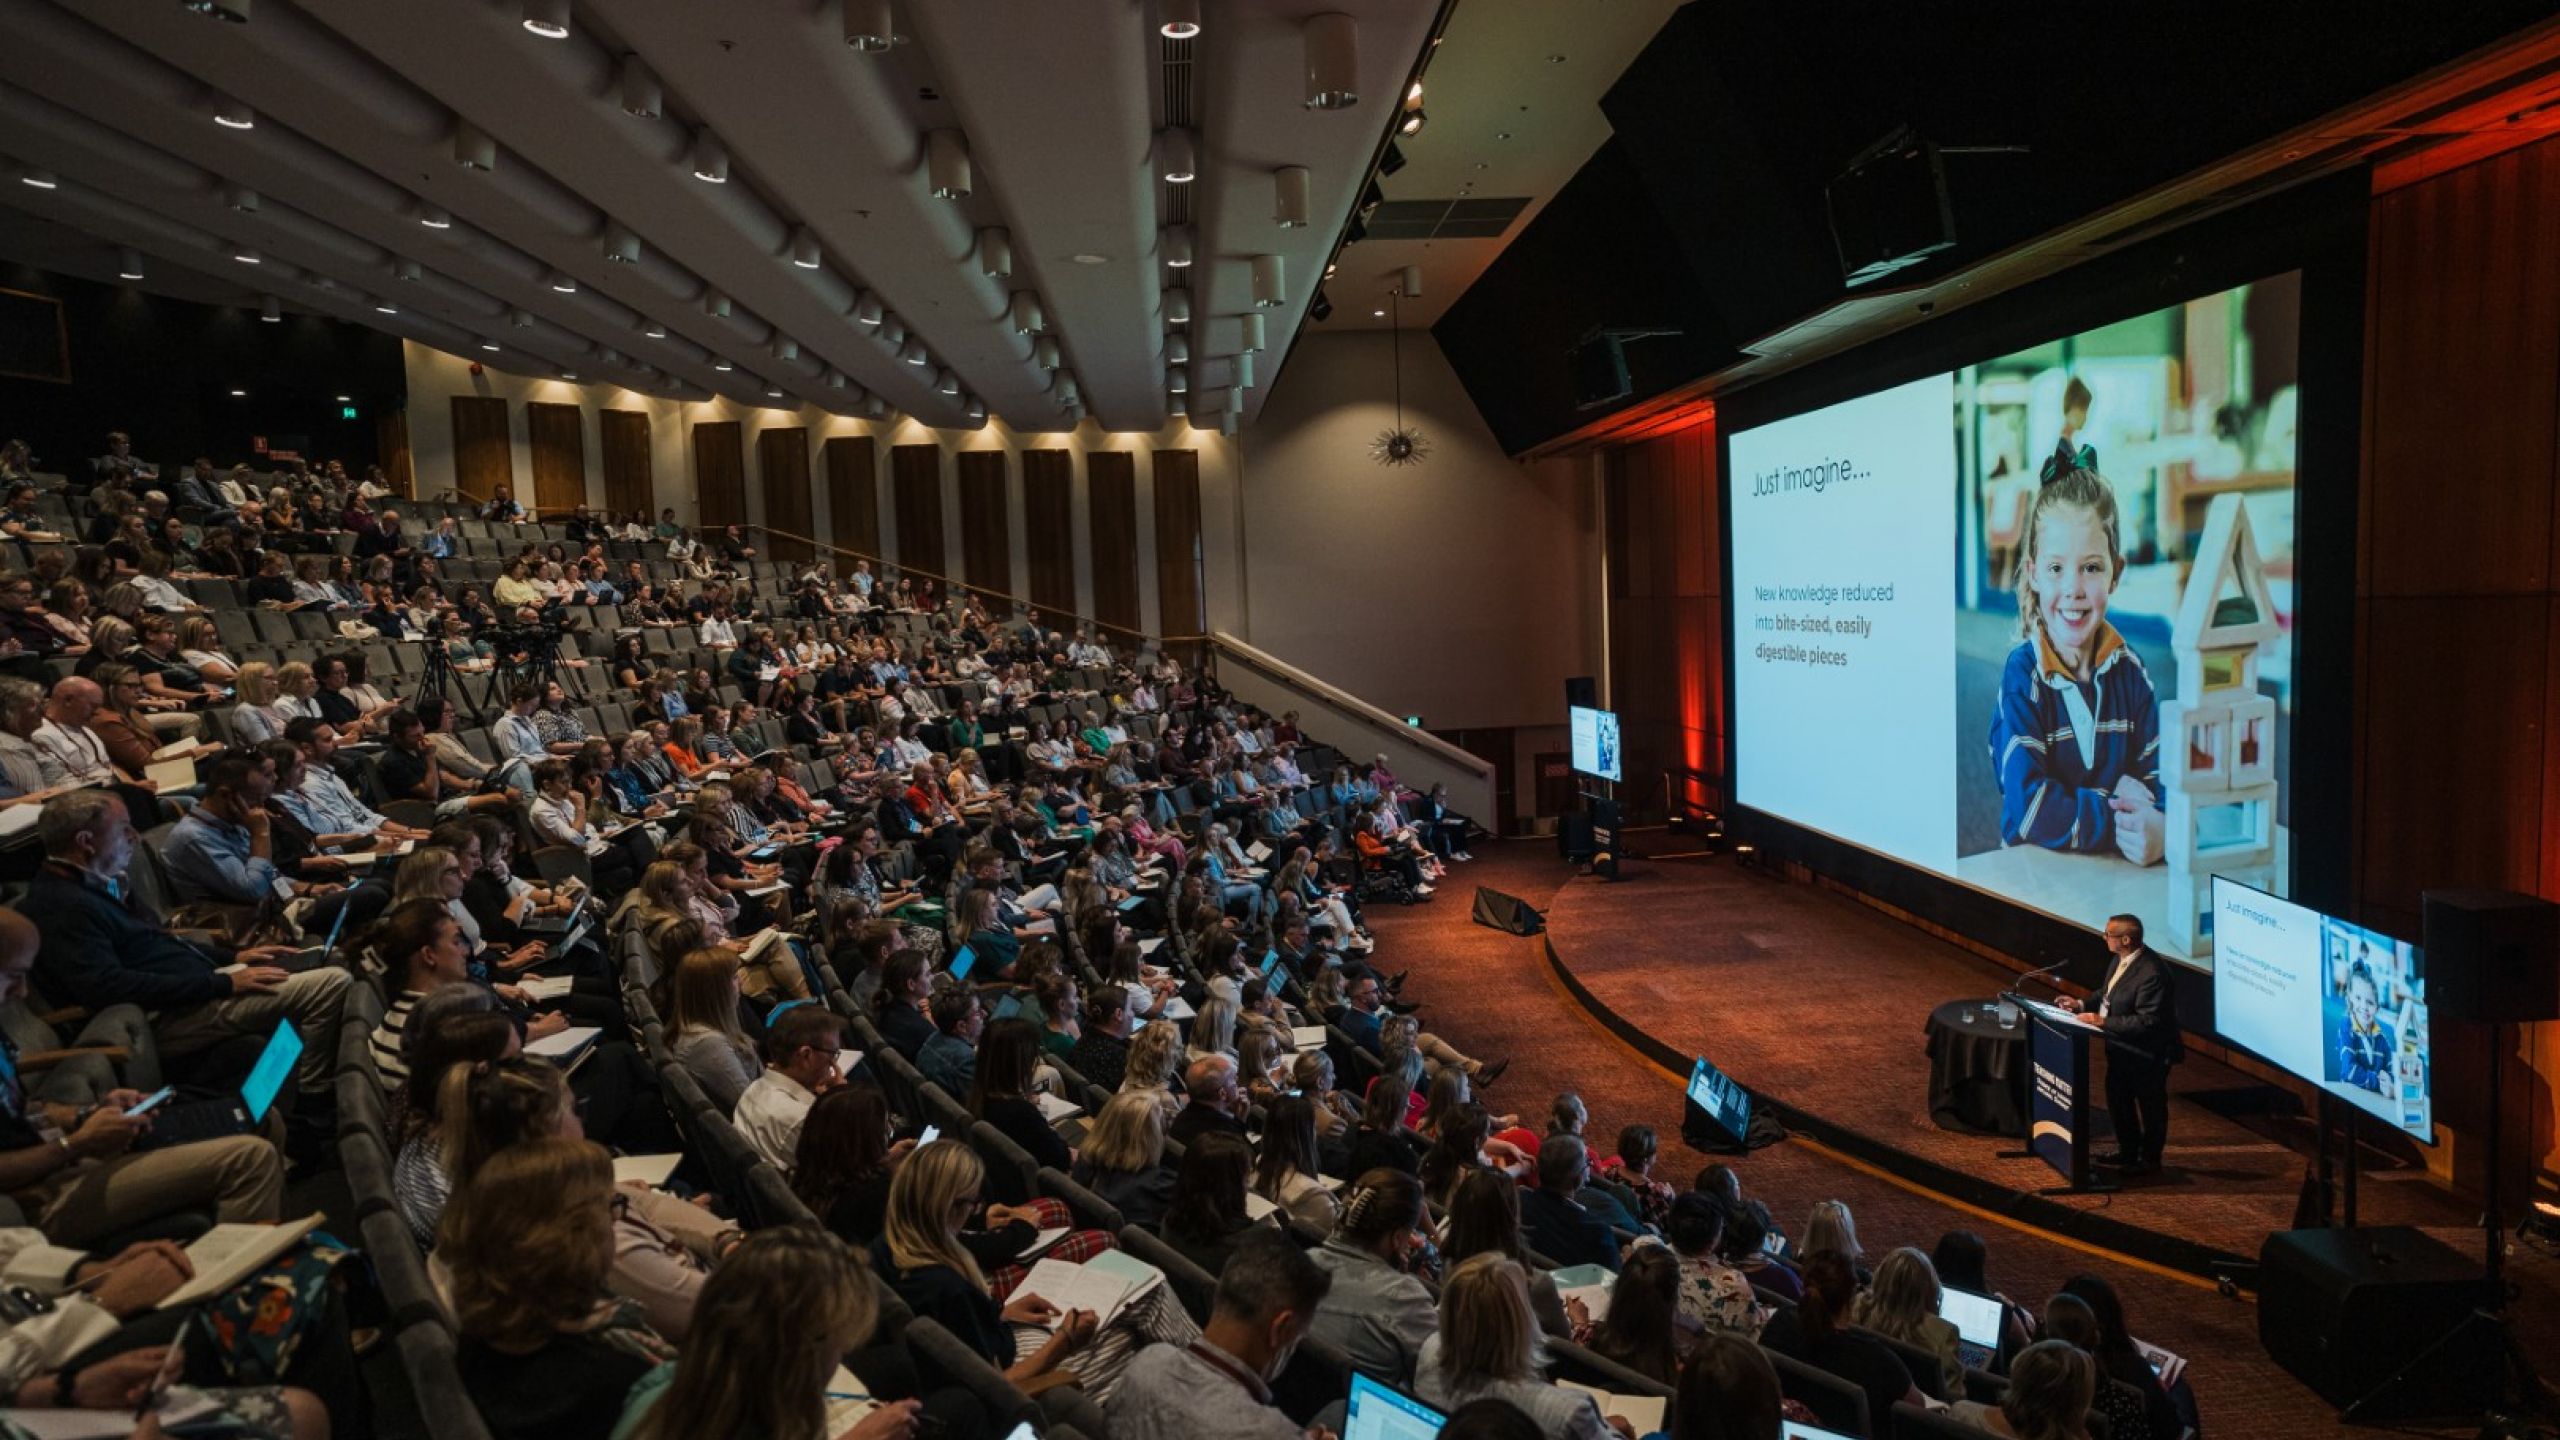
column 2493, row 956
column 2344, row 1310
column 1507, row 912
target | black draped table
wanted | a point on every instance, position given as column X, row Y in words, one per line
column 1977, row 1069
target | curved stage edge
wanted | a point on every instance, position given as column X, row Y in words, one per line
column 2025, row 1207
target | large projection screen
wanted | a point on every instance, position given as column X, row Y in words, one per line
column 2028, row 624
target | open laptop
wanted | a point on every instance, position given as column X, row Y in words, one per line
column 214, row 1119
column 1977, row 1322
column 1382, row 1412
column 1798, row 1430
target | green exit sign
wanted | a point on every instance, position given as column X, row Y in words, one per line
column 346, row 412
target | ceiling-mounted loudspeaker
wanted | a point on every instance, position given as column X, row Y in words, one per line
column 1180, row 19
column 412, row 271
column 1177, row 350
column 1409, row 285
column 233, row 114
column 641, row 93
column 1891, row 208
column 946, row 164
column 435, row 217
column 1044, row 352
column 710, row 158
column 715, row 304
column 270, row 309
column 804, row 248
column 621, row 244
column 242, row 199
column 564, row 282
column 1253, row 331
column 870, row 26
column 1269, row 287
column 547, row 18
column 1333, row 61
column 520, row 318
column 1177, row 378
column 1356, row 231
column 1319, row 309
column 1177, row 156
column 946, row 383
column 1177, row 246
column 128, row 264
column 1027, row 316
column 1290, row 205
column 786, row 349
column 914, row 353
column 473, row 147
column 995, row 253
column 866, row 309
column 1392, row 161
column 1177, row 306
column 235, row 11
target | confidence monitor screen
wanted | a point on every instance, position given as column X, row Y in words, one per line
column 2029, row 624
column 2339, row 1005
column 1595, row 742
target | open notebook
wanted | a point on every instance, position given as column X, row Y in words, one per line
column 1106, row 1284
column 1644, row 1412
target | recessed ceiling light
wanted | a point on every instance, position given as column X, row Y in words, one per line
column 232, row 115
column 1380, row 314
column 239, row 392
column 654, row 330
column 547, row 18
column 1501, row 134
column 40, row 179
column 489, row 345
column 722, row 365
column 1090, row 259
column 245, row 256
column 346, row 399
column 1484, row 165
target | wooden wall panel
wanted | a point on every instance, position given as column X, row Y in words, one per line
column 915, row 479
column 556, row 437
column 1049, row 528
column 391, row 442
column 782, row 462
column 853, row 497
column 720, row 473
column 629, row 480
column 1666, row 613
column 1111, row 498
column 1180, row 595
column 483, row 456
column 986, row 530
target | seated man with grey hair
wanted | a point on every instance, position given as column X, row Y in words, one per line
column 1217, row 1102
column 1221, row 1383
column 1552, row 1220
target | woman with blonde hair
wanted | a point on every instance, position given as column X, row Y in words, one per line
column 296, row 687
column 1485, row 1348
column 2052, row 1384
column 1122, row 1159
column 526, row 1246
column 1213, row 1030
column 258, row 717
column 1155, row 1058
column 770, row 1328
column 200, row 645
column 1901, row 1303
column 1832, row 1227
column 702, row 1024
column 1264, row 1056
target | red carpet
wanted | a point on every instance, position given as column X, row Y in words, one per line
column 1491, row 994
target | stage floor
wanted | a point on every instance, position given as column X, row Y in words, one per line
column 1818, row 1002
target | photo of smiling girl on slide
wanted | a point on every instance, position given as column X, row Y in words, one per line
column 2075, row 732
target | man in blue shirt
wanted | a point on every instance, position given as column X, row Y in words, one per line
column 1550, row 1220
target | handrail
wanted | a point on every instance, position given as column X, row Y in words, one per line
column 1357, row 708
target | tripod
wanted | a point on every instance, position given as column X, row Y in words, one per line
column 439, row 674
column 2486, row 1330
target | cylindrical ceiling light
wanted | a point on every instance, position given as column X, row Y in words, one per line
column 1229, row 423
column 128, row 264
column 241, row 198
column 1177, row 349
column 914, row 353
column 836, row 379
column 1413, row 121
column 1177, row 378
column 270, row 309
column 621, row 243
column 893, row 331
column 1290, row 205
column 1177, row 306
column 870, row 26
column 804, row 247
column 1177, row 157
column 1269, row 288
column 866, row 309
column 654, row 330
column 247, row 255
column 489, row 345
column 40, row 179
column 946, row 383
column 233, row 114
column 564, row 282
column 568, row 374
column 1181, row 19
column 715, row 304
column 1176, row 406
column 641, row 93
column 977, row 411
column 1044, row 353
column 995, row 253
column 1065, row 390
column 1235, row 399
column 710, row 158
column 722, row 365
column 520, row 318
column 411, row 271
column 1252, row 321
column 1333, row 61
column 435, row 217
column 1410, row 284
column 772, row 391
column 547, row 18
column 473, row 147
column 386, row 305
column 1027, row 318
column 946, row 164
column 786, row 349
column 1243, row 369
column 1177, row 246
column 876, row 407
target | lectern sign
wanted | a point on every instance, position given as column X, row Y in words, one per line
column 2058, row 1108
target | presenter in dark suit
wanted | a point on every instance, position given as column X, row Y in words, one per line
column 2136, row 1009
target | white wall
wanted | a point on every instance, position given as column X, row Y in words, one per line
column 435, row 377
column 1462, row 589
